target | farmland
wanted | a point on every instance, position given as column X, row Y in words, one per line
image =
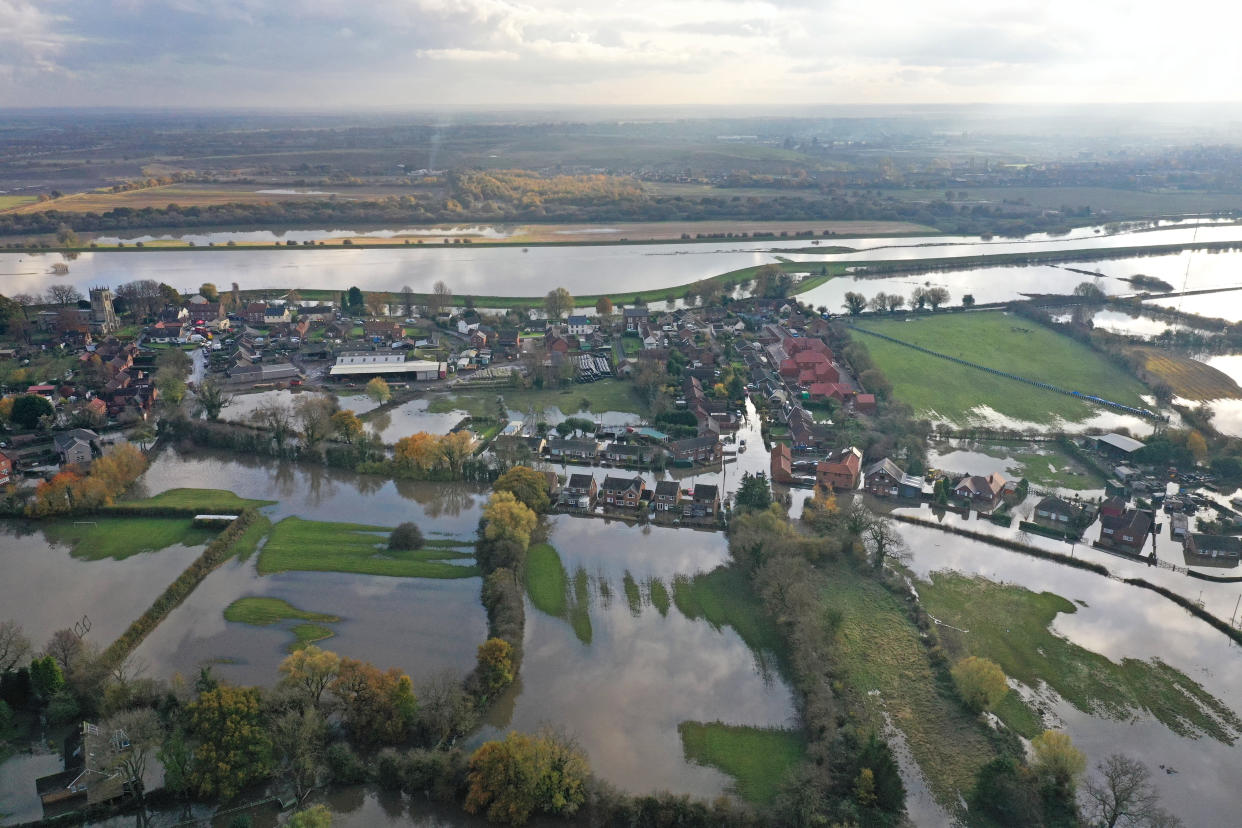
column 1189, row 378
column 297, row 544
column 954, row 392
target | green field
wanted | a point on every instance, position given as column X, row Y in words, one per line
column 263, row 612
column 8, row 202
column 97, row 538
column 724, row 598
column 1011, row 626
column 554, row 593
column 938, row 387
column 886, row 667
column 205, row 501
column 297, row 544
column 758, row 759
column 605, row 395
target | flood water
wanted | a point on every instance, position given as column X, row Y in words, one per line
column 623, row 694
column 1121, row 621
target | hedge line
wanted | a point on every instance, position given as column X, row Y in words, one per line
column 1005, row 543
column 216, row 553
column 1190, row 606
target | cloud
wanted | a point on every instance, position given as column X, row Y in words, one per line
column 410, row 52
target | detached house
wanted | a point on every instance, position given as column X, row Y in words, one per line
column 626, row 492
column 694, row 450
column 580, row 325
column 76, row 446
column 704, row 503
column 1058, row 513
column 886, row 479
column 979, row 489
column 1126, row 533
column 634, row 317
column 840, row 470
column 580, row 491
column 667, row 496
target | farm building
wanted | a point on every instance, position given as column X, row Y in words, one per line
column 374, row 363
column 1117, row 446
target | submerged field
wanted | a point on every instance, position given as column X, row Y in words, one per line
column 297, row 544
column 266, row 611
column 758, row 758
column 101, row 537
column 953, row 392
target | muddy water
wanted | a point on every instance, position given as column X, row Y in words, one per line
column 19, row 801
column 623, row 695
column 45, row 589
column 422, row 626
column 314, row 492
column 1121, row 621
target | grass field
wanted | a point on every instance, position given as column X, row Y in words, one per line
column 1043, row 464
column 1190, row 378
column 997, row 340
column 1011, row 626
column 297, row 544
column 554, row 593
column 121, row 537
column 758, row 759
column 724, row 598
column 213, row 501
column 263, row 612
column 9, row 202
column 1130, row 203
column 886, row 666
column 605, row 395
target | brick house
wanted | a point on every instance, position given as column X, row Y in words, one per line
column 625, row 492
column 1126, row 533
column 782, row 464
column 980, row 489
column 704, row 502
column 704, row 449
column 840, row 470
column 885, row 478
column 578, row 488
column 1059, row 513
column 629, row 453
column 560, row 449
column 6, row 469
column 667, row 496
column 255, row 312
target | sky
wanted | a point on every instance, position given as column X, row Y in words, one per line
column 396, row 54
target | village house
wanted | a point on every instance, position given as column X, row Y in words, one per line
column 1113, row 507
column 839, row 470
column 580, row 325
column 6, row 469
column 254, row 313
column 1126, row 533
column 864, row 403
column 630, row 454
column 885, row 478
column 382, row 331
column 667, row 496
column 276, row 314
column 624, row 492
column 77, row 446
column 704, row 502
column 580, row 491
column 979, row 489
column 1059, row 513
column 573, row 450
column 634, row 317
column 556, row 343
column 694, row 450
column 1212, row 550
column 90, row 777
column 782, row 464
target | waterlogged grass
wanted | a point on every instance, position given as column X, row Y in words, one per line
column 297, row 544
column 547, row 583
column 758, row 759
column 249, row 540
column 995, row 340
column 658, row 594
column 100, row 537
column 205, row 501
column 264, row 612
column 886, row 668
column 1011, row 626
column 723, row 598
column 1047, row 466
column 605, row 395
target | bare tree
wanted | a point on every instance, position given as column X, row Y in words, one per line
column 277, row 418
column 26, row 300
column 446, row 710
column 136, row 736
column 407, row 300
column 142, row 296
column 441, row 298
column 936, row 297
column 14, row 645
column 65, row 647
column 64, row 294
column 314, row 416
column 558, row 302
column 298, row 737
column 881, row 539
column 1122, row 794
column 895, row 301
column 879, row 302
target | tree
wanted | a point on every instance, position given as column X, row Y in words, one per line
column 530, row 487
column 455, row 447
column 855, row 303
column 895, row 302
column 347, row 426
column 211, row 399
column 309, row 671
column 407, row 300
column 446, row 710
column 208, row 291
column 64, row 295
column 355, row 301
column 1057, row 761
column 441, row 298
column 879, row 302
column 1089, row 291
column 14, row 645
column 604, row 309
column 513, row 778
column 28, row 409
column 177, row 757
column 881, row 539
column 66, row 237
column 46, row 677
column 495, row 665
column 314, row 418
column 508, row 519
column 1197, row 446
column 234, row 748
column 171, row 387
column 936, row 296
column 406, row 536
column 754, row 493
column 142, row 729
column 65, row 647
column 298, row 742
column 377, row 707
column 980, row 682
column 378, row 390
column 1122, row 794
column 142, row 297
column 317, row 816
column 277, row 418
column 968, row 300
column 558, row 303
column 918, row 299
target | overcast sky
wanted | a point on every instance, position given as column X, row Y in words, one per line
column 412, row 53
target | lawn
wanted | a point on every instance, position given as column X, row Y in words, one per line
column 205, row 501
column 263, row 612
column 297, row 544
column 1045, row 465
column 1001, row 341
column 1189, row 378
column 758, row 759
column 885, row 665
column 605, row 395
column 554, row 593
column 1011, row 626
column 724, row 598
column 121, row 537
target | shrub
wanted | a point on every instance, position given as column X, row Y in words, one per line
column 980, row 682
column 406, row 536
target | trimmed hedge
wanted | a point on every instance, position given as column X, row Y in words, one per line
column 1005, row 543
column 1190, row 606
